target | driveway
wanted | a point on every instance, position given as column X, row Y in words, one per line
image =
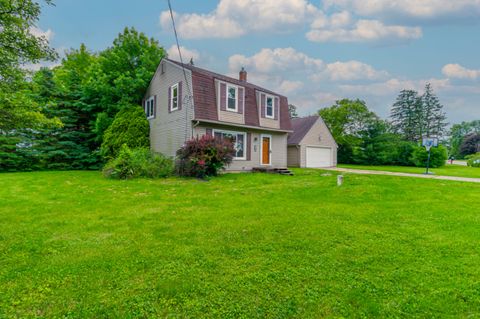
column 362, row 171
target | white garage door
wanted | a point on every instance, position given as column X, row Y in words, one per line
column 319, row 157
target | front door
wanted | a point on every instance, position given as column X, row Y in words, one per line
column 265, row 150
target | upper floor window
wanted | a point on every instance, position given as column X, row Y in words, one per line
column 174, row 97
column 232, row 98
column 269, row 107
column 150, row 107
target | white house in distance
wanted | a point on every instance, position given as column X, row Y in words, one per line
column 311, row 144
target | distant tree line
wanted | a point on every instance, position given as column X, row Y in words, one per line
column 364, row 138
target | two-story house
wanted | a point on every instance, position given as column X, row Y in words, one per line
column 184, row 101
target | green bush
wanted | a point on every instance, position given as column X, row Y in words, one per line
column 130, row 127
column 139, row 162
column 473, row 160
column 204, row 156
column 438, row 156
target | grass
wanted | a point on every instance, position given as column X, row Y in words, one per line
column 75, row 245
column 447, row 170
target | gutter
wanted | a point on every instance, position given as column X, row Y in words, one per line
column 259, row 128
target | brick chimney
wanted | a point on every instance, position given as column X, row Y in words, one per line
column 242, row 75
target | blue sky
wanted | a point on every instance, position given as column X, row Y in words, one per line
column 312, row 51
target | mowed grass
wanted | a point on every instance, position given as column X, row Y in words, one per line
column 75, row 245
column 447, row 170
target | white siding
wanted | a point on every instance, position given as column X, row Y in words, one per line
column 318, row 135
column 168, row 131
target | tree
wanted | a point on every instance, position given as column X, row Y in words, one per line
column 470, row 144
column 130, row 127
column 407, row 115
column 121, row 75
column 292, row 109
column 458, row 133
column 347, row 119
column 434, row 118
column 19, row 46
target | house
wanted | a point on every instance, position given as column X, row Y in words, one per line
column 184, row 101
column 311, row 144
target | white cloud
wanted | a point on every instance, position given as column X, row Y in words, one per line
column 459, row 72
column 360, row 31
column 233, row 18
column 187, row 54
column 393, row 86
column 48, row 35
column 419, row 9
column 353, row 70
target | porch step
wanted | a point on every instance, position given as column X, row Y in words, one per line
column 281, row 171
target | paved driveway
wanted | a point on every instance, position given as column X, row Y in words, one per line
column 363, row 171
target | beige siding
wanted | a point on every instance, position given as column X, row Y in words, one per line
column 279, row 147
column 232, row 117
column 265, row 122
column 318, row 135
column 293, row 153
column 270, row 123
column 168, row 131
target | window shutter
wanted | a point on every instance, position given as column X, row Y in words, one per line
column 144, row 108
column 241, row 100
column 249, row 146
column 179, row 95
column 169, row 99
column 223, row 96
column 262, row 104
column 155, row 106
column 276, row 108
column 209, row 131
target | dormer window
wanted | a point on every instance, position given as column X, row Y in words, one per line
column 232, row 98
column 269, row 107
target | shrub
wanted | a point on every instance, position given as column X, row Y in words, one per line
column 130, row 127
column 139, row 162
column 438, row 156
column 205, row 156
column 470, row 144
column 473, row 160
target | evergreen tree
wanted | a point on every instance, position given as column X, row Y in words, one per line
column 433, row 114
column 407, row 116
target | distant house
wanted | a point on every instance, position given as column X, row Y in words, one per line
column 184, row 101
column 311, row 144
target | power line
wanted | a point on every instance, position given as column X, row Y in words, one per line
column 190, row 97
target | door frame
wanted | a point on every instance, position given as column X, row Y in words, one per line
column 269, row 147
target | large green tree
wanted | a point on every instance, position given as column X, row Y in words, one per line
column 347, row 120
column 407, row 115
column 457, row 134
column 19, row 46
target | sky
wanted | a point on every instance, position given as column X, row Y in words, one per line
column 313, row 52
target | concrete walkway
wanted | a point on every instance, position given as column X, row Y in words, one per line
column 368, row 172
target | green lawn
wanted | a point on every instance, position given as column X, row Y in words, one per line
column 448, row 170
column 75, row 245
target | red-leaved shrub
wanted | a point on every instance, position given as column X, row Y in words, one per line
column 204, row 156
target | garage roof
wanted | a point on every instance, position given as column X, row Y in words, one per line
column 301, row 126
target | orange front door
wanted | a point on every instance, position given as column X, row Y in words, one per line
column 266, row 150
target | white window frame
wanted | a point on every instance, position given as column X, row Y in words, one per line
column 236, row 98
column 273, row 106
column 149, row 108
column 172, row 88
column 270, row 149
column 244, row 158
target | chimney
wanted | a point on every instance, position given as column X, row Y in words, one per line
column 242, row 76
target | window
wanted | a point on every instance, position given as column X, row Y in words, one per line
column 149, row 107
column 269, row 108
column 238, row 139
column 231, row 98
column 174, row 97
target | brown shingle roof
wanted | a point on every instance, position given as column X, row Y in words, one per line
column 204, row 97
column 300, row 127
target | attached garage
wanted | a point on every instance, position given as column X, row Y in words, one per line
column 318, row 157
column 311, row 144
